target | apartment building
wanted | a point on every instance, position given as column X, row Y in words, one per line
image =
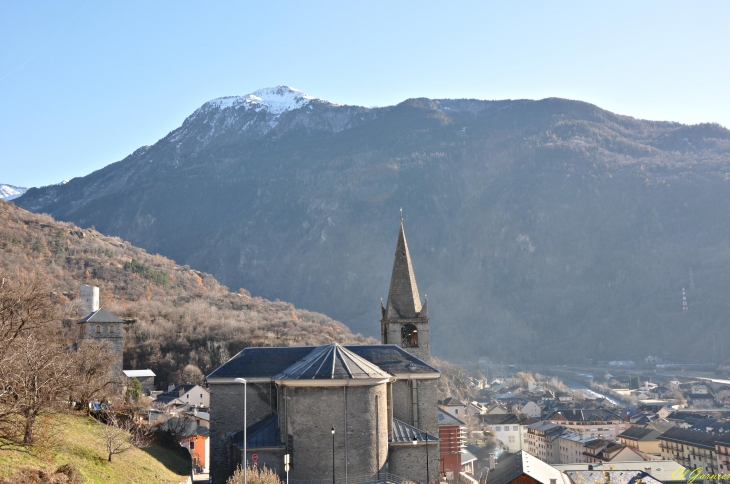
column 691, row 448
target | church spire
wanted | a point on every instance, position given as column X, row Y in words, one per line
column 403, row 297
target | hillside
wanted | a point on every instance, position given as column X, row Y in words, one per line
column 553, row 226
column 179, row 316
column 76, row 440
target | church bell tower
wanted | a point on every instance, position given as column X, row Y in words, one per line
column 404, row 320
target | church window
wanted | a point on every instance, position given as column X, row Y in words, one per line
column 111, row 328
column 409, row 336
column 98, row 329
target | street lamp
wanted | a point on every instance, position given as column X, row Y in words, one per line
column 333, row 454
column 245, row 424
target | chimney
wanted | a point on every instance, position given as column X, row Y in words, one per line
column 647, row 470
column 492, row 461
column 590, row 467
column 89, row 296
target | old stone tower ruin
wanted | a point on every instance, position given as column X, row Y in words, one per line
column 404, row 320
column 101, row 325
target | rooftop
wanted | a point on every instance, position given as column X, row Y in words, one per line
column 512, row 466
column 100, row 316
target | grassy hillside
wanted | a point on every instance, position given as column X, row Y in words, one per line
column 76, row 440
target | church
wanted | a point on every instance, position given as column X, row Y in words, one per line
column 365, row 413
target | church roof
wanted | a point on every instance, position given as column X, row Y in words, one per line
column 263, row 434
column 404, row 434
column 332, row 362
column 267, row 362
column 403, row 298
column 101, row 316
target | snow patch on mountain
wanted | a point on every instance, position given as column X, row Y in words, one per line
column 11, row 192
column 275, row 100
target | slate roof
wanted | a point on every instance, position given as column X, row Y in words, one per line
column 403, row 298
column 467, row 457
column 616, row 477
column 263, row 434
column 404, row 434
column 521, row 463
column 446, row 418
column 584, row 415
column 639, row 434
column 332, row 362
column 662, row 470
column 693, row 438
column 267, row 362
column 100, row 316
column 261, row 362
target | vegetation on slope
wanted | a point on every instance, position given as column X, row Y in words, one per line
column 178, row 317
column 77, row 441
column 551, row 226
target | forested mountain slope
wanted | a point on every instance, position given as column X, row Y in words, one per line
column 546, row 230
column 179, row 316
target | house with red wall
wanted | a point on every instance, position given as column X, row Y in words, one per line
column 452, row 433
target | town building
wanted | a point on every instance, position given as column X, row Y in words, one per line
column 690, row 448
column 198, row 445
column 722, row 450
column 146, row 378
column 644, row 439
column 370, row 409
column 666, row 471
column 511, row 430
column 186, row 394
column 602, row 450
column 543, row 442
column 525, row 468
column 593, row 422
column 452, row 433
column 101, row 325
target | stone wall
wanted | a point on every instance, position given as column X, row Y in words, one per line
column 426, row 417
column 409, row 461
column 87, row 331
column 271, row 458
column 312, row 413
column 226, row 418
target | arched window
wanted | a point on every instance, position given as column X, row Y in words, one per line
column 111, row 328
column 98, row 329
column 409, row 336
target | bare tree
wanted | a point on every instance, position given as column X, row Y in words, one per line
column 122, row 434
column 37, row 374
column 94, row 371
column 192, row 374
column 25, row 304
column 179, row 427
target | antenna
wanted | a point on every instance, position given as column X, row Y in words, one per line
column 401, row 215
column 691, row 280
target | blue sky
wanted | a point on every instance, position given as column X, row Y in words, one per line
column 83, row 83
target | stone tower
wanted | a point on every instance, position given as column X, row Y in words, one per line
column 100, row 324
column 404, row 320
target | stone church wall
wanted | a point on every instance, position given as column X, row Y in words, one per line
column 312, row 413
column 226, row 418
column 409, row 462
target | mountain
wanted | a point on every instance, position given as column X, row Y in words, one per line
column 547, row 230
column 10, row 192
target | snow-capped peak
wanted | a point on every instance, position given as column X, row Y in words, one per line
column 10, row 192
column 275, row 100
